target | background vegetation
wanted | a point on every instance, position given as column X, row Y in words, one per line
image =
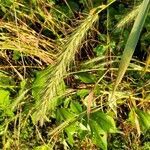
column 60, row 86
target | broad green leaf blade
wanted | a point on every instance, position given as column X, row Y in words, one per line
column 99, row 136
column 71, row 130
column 106, row 122
column 65, row 114
column 76, row 107
column 132, row 42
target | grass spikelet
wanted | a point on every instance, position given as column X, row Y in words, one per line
column 54, row 78
column 128, row 18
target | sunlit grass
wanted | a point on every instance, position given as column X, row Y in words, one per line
column 39, row 48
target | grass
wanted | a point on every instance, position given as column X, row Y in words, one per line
column 54, row 79
column 132, row 42
column 59, row 66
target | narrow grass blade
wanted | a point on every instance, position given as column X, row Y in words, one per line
column 131, row 43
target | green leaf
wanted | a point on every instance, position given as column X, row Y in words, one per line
column 133, row 118
column 112, row 45
column 71, row 130
column 86, row 77
column 70, row 137
column 43, row 147
column 101, row 124
column 100, row 50
column 67, row 101
column 106, row 122
column 99, row 136
column 144, row 119
column 4, row 98
column 5, row 102
column 16, row 55
column 65, row 114
column 75, row 107
column 82, row 93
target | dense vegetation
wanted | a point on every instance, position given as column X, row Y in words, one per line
column 60, row 86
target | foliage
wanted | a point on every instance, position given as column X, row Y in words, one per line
column 58, row 74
